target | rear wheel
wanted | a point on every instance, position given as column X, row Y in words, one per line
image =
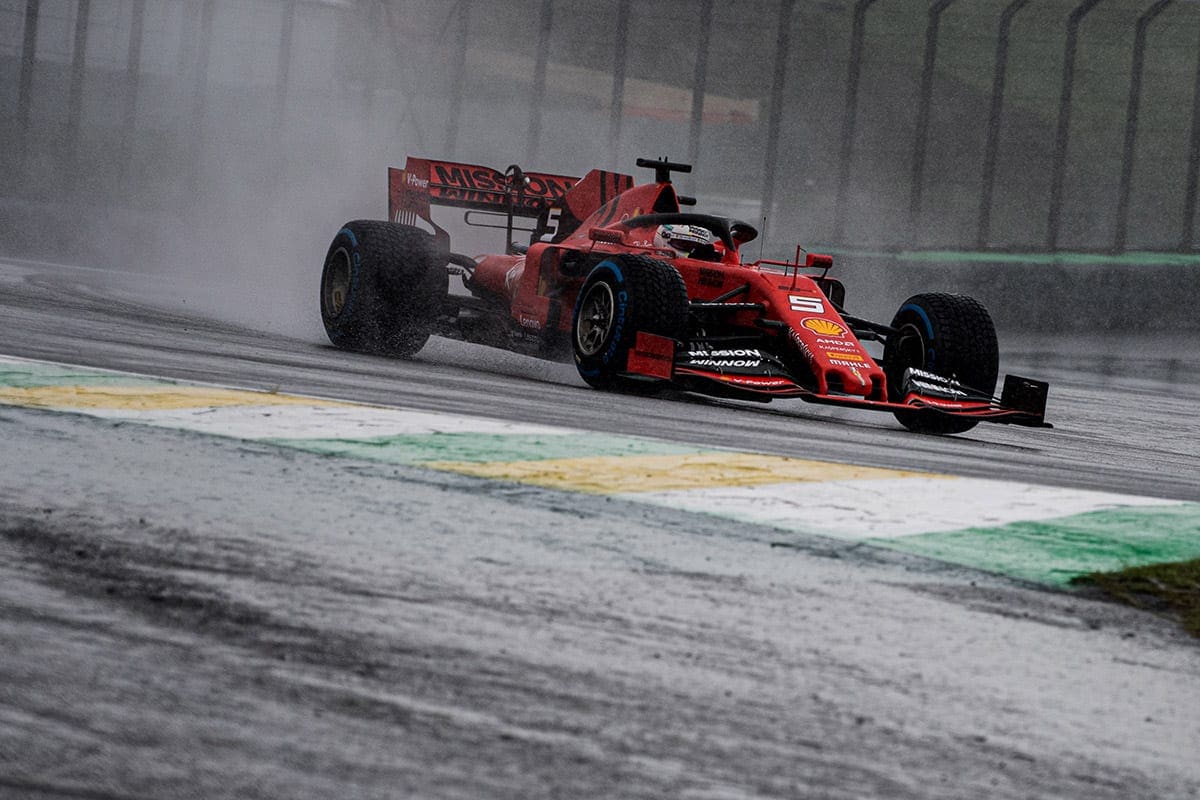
column 951, row 335
column 621, row 296
column 382, row 288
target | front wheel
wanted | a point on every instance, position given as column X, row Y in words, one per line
column 951, row 335
column 621, row 296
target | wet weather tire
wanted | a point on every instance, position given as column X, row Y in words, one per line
column 621, row 296
column 951, row 335
column 382, row 288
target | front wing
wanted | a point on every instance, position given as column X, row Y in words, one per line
column 756, row 373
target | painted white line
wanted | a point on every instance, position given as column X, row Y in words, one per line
column 855, row 509
column 320, row 422
column 248, row 414
column 893, row 507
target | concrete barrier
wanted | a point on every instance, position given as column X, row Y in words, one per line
column 1136, row 292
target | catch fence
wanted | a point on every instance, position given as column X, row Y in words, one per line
column 1041, row 125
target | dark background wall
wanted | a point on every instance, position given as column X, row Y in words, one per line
column 142, row 130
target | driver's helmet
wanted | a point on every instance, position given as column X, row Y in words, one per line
column 684, row 239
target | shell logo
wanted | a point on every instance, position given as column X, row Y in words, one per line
column 823, row 327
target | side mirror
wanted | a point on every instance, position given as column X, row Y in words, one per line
column 742, row 233
column 606, row 235
column 819, row 261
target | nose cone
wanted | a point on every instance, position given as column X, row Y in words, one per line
column 836, row 357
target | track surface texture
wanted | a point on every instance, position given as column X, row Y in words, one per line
column 192, row 616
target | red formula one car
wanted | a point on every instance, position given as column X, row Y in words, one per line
column 646, row 295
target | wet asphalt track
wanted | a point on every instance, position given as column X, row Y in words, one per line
column 193, row 617
column 1133, row 430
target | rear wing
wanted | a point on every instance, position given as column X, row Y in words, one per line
column 424, row 183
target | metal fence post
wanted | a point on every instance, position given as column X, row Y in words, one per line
column 1062, row 138
column 1188, row 239
column 539, row 81
column 700, row 83
column 782, row 47
column 457, row 75
column 200, row 97
column 75, row 94
column 995, row 115
column 25, row 82
column 133, row 77
column 1131, row 121
column 922, row 133
column 850, row 120
column 617, row 103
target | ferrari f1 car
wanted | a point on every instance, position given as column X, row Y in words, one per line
column 644, row 294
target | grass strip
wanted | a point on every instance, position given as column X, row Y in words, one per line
column 1054, row 551
column 1172, row 589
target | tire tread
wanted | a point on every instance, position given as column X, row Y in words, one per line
column 965, row 349
column 658, row 304
column 399, row 289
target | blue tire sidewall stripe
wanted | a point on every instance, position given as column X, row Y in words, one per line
column 930, row 352
column 355, row 265
column 611, row 265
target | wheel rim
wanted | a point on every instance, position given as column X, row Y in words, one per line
column 907, row 350
column 337, row 282
column 910, row 348
column 595, row 318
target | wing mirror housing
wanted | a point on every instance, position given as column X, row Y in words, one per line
column 819, row 261
column 742, row 233
column 606, row 235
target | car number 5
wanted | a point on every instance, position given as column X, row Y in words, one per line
column 806, row 305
